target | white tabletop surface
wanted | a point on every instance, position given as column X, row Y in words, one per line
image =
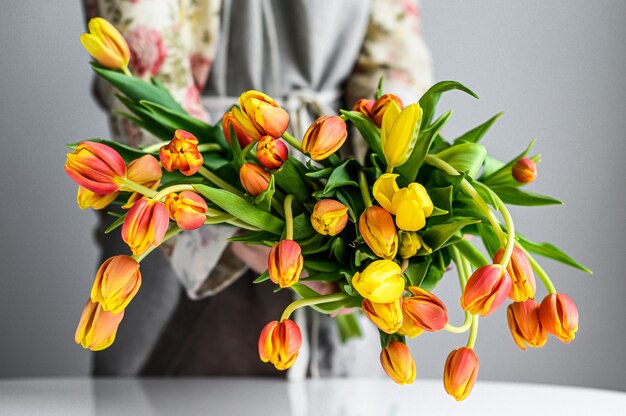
column 327, row 397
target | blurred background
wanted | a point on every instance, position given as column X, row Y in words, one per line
column 555, row 68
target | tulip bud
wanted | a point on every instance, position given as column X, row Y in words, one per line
column 377, row 228
column 188, row 209
column 386, row 316
column 521, row 272
column 87, row 199
column 329, row 217
column 106, row 44
column 384, row 189
column 97, row 328
column 380, row 282
column 324, row 137
column 410, row 243
column 559, row 316
column 411, row 206
column 271, row 152
column 524, row 170
column 254, row 178
column 397, row 362
column 263, row 113
column 145, row 225
column 486, row 289
column 399, row 132
column 525, row 325
column 379, row 107
column 229, row 120
column 364, row 106
column 116, row 283
column 425, row 310
column 97, row 167
column 182, row 154
column 279, row 343
column 145, row 171
column 460, row 372
column 285, row 263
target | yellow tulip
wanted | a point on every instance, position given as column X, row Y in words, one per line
column 106, row 44
column 116, row 283
column 386, row 316
column 380, row 282
column 385, row 188
column 410, row 243
column 397, row 362
column 399, row 132
column 411, row 206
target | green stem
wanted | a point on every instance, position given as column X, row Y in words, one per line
column 460, row 261
column 293, row 142
column 169, row 234
column 288, row 217
column 209, row 147
column 471, row 342
column 126, row 71
column 154, row 147
column 216, row 180
column 365, row 193
column 389, row 169
column 135, row 187
column 171, row 189
column 218, row 219
column 547, row 282
column 405, row 265
column 510, row 231
column 334, row 297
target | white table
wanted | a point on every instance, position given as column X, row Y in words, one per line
column 326, row 397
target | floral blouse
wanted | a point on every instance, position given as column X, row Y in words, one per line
column 176, row 41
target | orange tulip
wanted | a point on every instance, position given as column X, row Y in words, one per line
column 97, row 328
column 116, row 284
column 97, row 167
column 379, row 232
column 521, row 272
column 397, row 362
column 187, row 208
column 182, row 154
column 486, row 289
column 380, row 105
column 254, row 178
column 145, row 171
column 285, row 263
column 386, row 316
column 559, row 316
column 524, row 170
column 87, row 199
column 324, row 137
column 229, row 120
column 329, row 217
column 279, row 343
column 263, row 113
column 271, row 152
column 425, row 310
column 525, row 325
column 145, row 225
column 460, row 372
column 364, row 106
column 106, row 44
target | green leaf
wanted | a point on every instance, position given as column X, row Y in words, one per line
column 465, row 157
column 179, row 120
column 306, row 292
column 290, row 180
column 475, row 134
column 146, row 122
column 490, row 238
column 379, row 89
column 264, row 199
column 348, row 327
column 255, row 238
column 552, row 252
column 471, row 253
column 367, row 128
column 342, row 176
column 516, row 196
column 437, row 235
column 436, row 270
column 416, row 271
column 265, row 276
column 321, row 265
column 338, row 249
column 118, row 222
column 242, row 209
column 302, row 228
column 430, row 99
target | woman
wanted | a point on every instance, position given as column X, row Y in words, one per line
column 309, row 55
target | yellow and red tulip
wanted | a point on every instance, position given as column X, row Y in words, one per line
column 425, row 310
column 379, row 107
column 106, row 44
column 271, row 152
column 324, row 137
column 263, row 113
column 524, row 170
column 559, row 316
column 145, row 225
column 87, row 199
column 187, row 208
column 364, row 106
column 525, row 325
column 97, row 328
column 460, row 372
column 386, row 316
column 181, row 154
column 116, row 283
column 521, row 272
column 279, row 343
column 397, row 362
column 486, row 290
column 254, row 178
column 145, row 171
column 329, row 217
column 380, row 282
column 398, row 133
column 379, row 232
column 229, row 120
column 97, row 167
column 285, row 263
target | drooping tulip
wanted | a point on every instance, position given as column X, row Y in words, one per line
column 285, row 263
column 525, row 325
column 181, row 154
column 187, row 208
column 106, row 44
column 386, row 316
column 271, row 152
column 254, row 178
column 116, row 283
column 145, row 171
column 521, row 272
column 380, row 282
column 486, row 290
column 97, row 167
column 379, row 232
column 559, row 316
column 329, row 217
column 279, row 343
column 97, row 328
column 324, row 137
column 425, row 310
column 460, row 372
column 145, row 225
column 397, row 362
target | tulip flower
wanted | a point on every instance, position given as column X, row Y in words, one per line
column 364, row 106
column 279, row 343
column 380, row 282
column 285, row 263
column 324, row 137
column 254, row 178
column 229, row 120
column 187, row 208
column 380, row 106
column 525, row 325
column 145, row 171
column 329, row 217
column 410, row 243
column 411, row 206
column 425, row 310
column 106, row 44
column 263, row 113
column 559, row 316
column 386, row 316
column 486, row 289
column 182, row 154
column 524, row 170
column 409, row 327
column 521, row 272
column 145, row 225
column 460, row 372
column 384, row 189
column 377, row 228
column 271, row 152
column 398, row 133
column 397, row 362
column 97, row 167
column 116, row 284
column 87, row 199
column 97, row 328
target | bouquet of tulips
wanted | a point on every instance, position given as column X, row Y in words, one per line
column 383, row 230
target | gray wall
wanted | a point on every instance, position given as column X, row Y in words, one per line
column 556, row 70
